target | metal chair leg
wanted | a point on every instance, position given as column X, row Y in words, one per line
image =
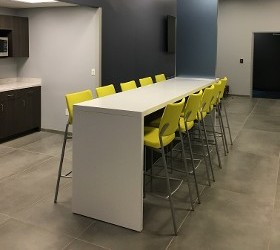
column 186, row 169
column 208, row 150
column 169, row 191
column 216, row 143
column 228, row 124
column 61, row 162
column 204, row 154
column 222, row 126
column 193, row 167
column 221, row 129
column 151, row 170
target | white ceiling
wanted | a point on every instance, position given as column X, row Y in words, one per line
column 19, row 5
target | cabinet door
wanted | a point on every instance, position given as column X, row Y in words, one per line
column 33, row 108
column 20, row 112
column 6, row 22
column 8, row 123
column 20, row 37
column 28, row 109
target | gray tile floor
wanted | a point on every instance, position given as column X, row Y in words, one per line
column 240, row 211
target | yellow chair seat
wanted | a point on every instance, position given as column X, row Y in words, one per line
column 182, row 124
column 151, row 138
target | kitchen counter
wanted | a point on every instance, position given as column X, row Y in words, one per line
column 7, row 84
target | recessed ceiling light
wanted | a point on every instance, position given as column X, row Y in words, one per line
column 35, row 1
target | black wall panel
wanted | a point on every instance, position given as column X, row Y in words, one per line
column 134, row 38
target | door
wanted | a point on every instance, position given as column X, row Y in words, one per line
column 266, row 66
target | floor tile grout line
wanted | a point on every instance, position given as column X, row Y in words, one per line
column 79, row 239
column 34, row 225
column 45, row 198
column 14, row 176
column 20, row 147
column 183, row 221
column 30, row 151
column 269, row 239
column 8, row 152
column 44, row 228
column 245, row 120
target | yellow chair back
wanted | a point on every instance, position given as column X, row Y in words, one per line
column 220, row 89
column 192, row 106
column 145, row 81
column 207, row 96
column 170, row 117
column 105, row 90
column 74, row 98
column 224, row 83
column 216, row 93
column 128, row 85
column 160, row 78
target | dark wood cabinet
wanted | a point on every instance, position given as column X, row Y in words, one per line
column 20, row 37
column 20, row 111
column 6, row 22
column 17, row 30
column 7, row 117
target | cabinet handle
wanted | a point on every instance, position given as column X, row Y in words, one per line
column 11, row 95
column 2, row 107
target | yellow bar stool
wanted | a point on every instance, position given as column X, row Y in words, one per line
column 217, row 106
column 128, row 85
column 159, row 138
column 187, row 122
column 146, row 81
column 105, row 90
column 160, row 78
column 206, row 108
column 71, row 99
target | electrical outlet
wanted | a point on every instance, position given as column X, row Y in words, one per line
column 66, row 112
column 93, row 72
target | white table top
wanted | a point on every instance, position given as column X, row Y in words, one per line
column 145, row 100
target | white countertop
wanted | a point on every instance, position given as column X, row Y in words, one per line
column 7, row 84
column 146, row 100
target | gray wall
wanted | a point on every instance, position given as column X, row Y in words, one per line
column 64, row 46
column 196, row 38
column 237, row 21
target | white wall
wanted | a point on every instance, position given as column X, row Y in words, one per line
column 237, row 21
column 64, row 46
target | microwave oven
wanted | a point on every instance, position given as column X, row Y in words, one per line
column 3, row 46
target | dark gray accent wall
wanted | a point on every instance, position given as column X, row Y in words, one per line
column 196, row 38
column 133, row 38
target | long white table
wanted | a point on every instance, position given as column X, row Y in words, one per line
column 108, row 150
